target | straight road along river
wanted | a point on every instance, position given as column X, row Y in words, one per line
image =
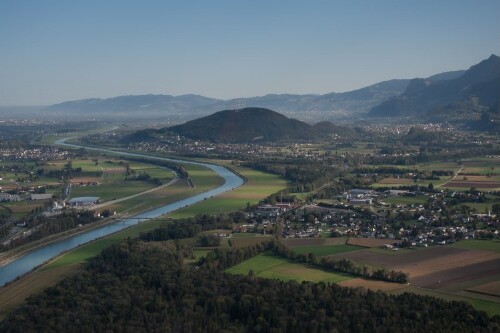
column 37, row 257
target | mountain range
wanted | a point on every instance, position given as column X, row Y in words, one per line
column 393, row 98
column 480, row 83
column 328, row 105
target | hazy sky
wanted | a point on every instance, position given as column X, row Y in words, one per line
column 57, row 50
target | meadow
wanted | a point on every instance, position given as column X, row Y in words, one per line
column 269, row 266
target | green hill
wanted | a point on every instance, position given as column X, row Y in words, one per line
column 245, row 125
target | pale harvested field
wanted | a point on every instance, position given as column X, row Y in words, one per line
column 392, row 180
column 372, row 285
column 85, row 180
column 114, row 170
column 369, row 242
column 492, row 288
column 18, row 291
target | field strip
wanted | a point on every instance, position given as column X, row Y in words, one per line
column 373, row 285
column 15, row 293
column 442, row 263
column 107, row 203
column 492, row 288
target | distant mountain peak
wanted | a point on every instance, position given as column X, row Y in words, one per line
column 422, row 96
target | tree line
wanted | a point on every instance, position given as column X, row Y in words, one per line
column 135, row 286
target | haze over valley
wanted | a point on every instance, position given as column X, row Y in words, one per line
column 236, row 166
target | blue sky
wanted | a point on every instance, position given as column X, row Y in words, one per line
column 54, row 50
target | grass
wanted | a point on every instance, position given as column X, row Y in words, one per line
column 404, row 200
column 268, row 266
column 111, row 191
column 81, row 254
column 15, row 293
column 68, row 263
column 204, row 180
column 197, row 254
column 249, row 241
column 259, row 185
column 476, row 244
column 326, row 250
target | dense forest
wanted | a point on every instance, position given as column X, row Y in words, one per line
column 138, row 286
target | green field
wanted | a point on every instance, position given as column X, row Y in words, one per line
column 111, row 191
column 259, row 185
column 268, row 266
column 81, row 254
column 326, row 250
column 204, row 179
column 403, row 200
column 477, row 244
column 112, row 183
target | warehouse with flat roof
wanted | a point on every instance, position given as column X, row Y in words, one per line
column 83, row 201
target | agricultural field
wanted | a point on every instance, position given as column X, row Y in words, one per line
column 16, row 292
column 268, row 266
column 108, row 178
column 326, row 250
column 481, row 166
column 104, row 178
column 204, row 180
column 478, row 182
column 465, row 270
column 258, row 186
column 298, row 242
column 406, row 200
column 368, row 242
column 320, row 246
column 238, row 242
column 475, row 244
column 23, row 208
column 480, row 173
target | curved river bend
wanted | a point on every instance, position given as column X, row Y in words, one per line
column 37, row 257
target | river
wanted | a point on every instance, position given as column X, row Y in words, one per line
column 37, row 257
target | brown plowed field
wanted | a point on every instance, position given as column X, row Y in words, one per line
column 369, row 242
column 437, row 259
column 449, row 277
column 470, row 183
column 372, row 284
column 434, row 267
column 492, row 288
column 294, row 242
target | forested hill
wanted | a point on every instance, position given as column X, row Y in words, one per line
column 137, row 287
column 253, row 124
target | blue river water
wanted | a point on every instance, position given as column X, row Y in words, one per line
column 37, row 257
